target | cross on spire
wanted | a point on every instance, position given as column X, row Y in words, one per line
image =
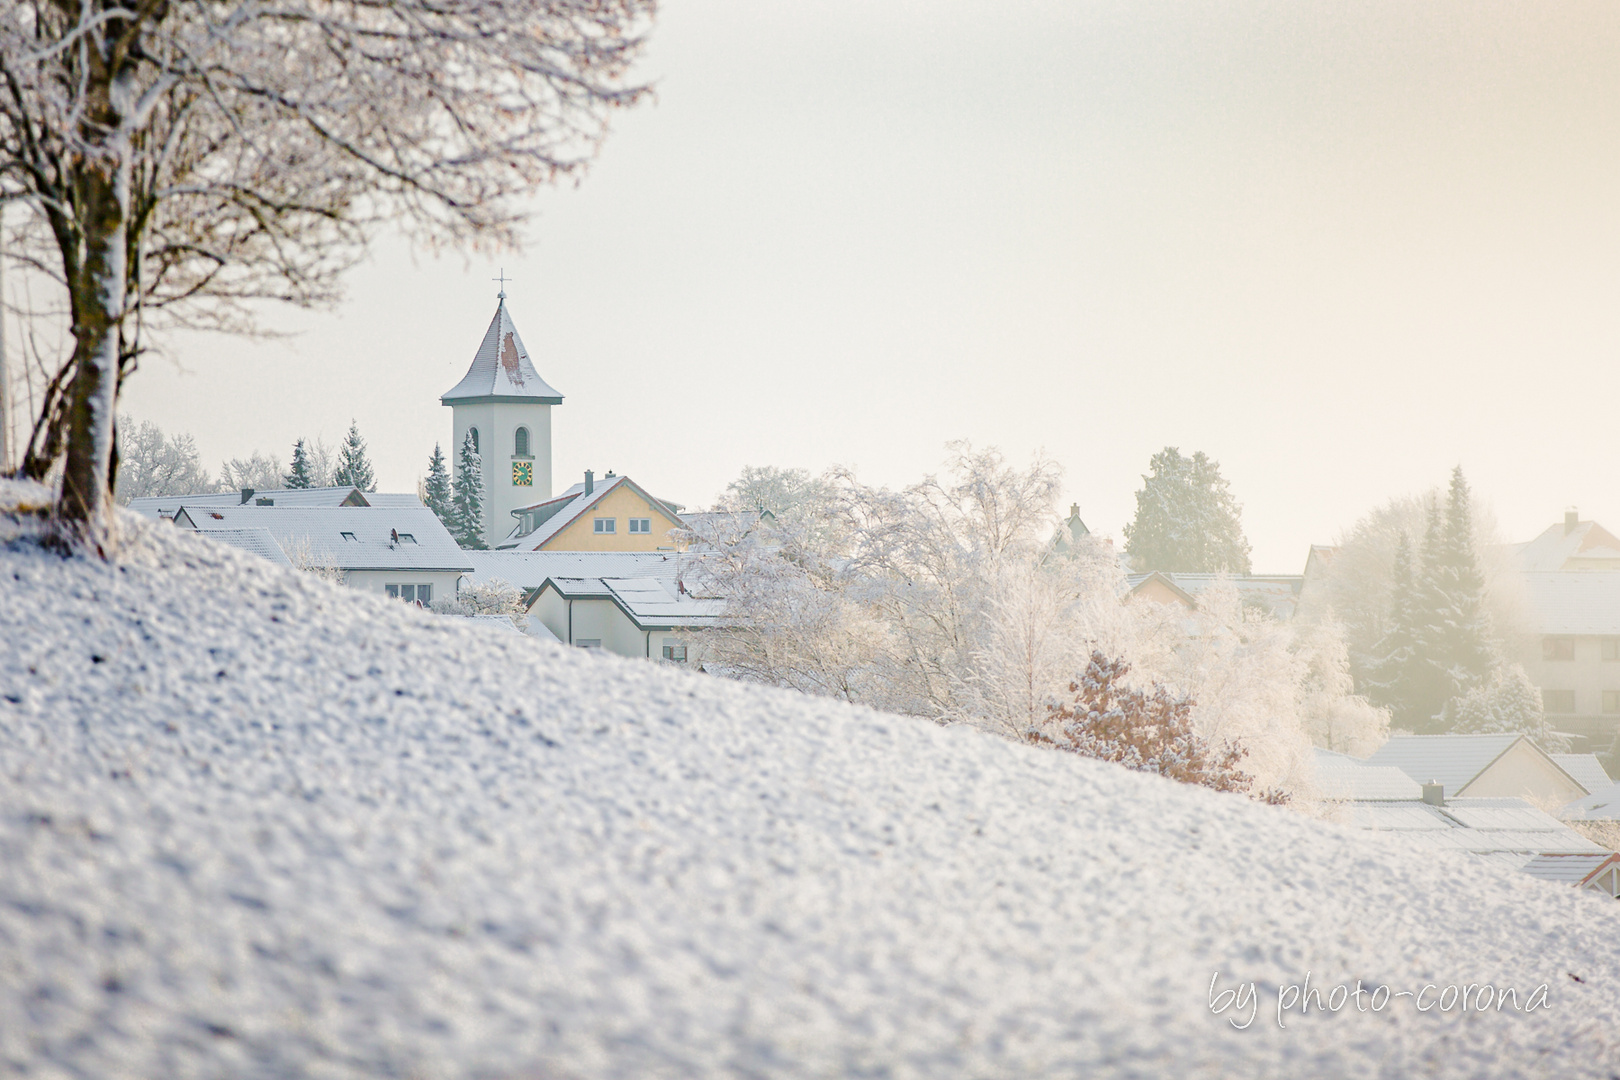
column 503, row 279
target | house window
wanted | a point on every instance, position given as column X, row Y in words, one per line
column 1611, row 701
column 641, row 525
column 347, row 535
column 677, row 653
column 1558, row 701
column 607, row 525
column 406, row 538
column 412, row 594
column 588, row 642
column 1558, row 648
column 1611, row 649
column 520, row 442
column 474, row 433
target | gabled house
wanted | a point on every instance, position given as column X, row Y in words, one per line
column 403, row 551
column 164, row 506
column 1501, row 765
column 1587, row 770
column 1600, row 873
column 648, row 616
column 1508, row 832
column 1275, row 594
column 613, row 514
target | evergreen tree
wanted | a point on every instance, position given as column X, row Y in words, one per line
column 436, row 492
column 1391, row 677
column 1186, row 518
column 299, row 478
column 353, row 468
column 1438, row 646
column 467, row 505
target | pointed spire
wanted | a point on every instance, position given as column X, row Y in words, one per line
column 501, row 370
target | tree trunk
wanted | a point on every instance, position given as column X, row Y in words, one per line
column 85, row 505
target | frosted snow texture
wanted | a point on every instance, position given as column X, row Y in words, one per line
column 258, row 826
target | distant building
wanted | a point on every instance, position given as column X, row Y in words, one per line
column 1598, row 872
column 505, row 406
column 1571, row 577
column 613, row 514
column 402, row 551
column 1072, row 532
column 1275, row 594
column 1499, row 765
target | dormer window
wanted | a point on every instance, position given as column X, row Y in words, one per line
column 347, row 535
column 407, row 538
column 520, row 443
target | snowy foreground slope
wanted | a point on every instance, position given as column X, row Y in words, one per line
column 252, row 825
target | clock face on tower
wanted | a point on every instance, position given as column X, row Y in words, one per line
column 522, row 474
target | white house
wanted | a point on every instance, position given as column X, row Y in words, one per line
column 633, row 603
column 504, row 404
column 1481, row 766
column 403, row 551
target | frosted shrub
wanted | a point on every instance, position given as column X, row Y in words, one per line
column 1146, row 730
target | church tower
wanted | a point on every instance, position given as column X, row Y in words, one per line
column 506, row 406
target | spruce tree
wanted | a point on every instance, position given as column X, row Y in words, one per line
column 467, row 506
column 1186, row 518
column 1391, row 681
column 1463, row 647
column 353, row 469
column 299, row 478
column 436, row 492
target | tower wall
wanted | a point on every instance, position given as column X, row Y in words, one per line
column 497, row 424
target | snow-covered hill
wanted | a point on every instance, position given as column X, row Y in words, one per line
column 252, row 825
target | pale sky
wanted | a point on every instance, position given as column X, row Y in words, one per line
column 1339, row 247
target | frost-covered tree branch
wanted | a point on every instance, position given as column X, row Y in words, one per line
column 181, row 160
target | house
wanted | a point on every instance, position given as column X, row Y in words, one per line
column 1600, row 873
column 1587, row 770
column 629, row 603
column 504, row 406
column 1344, row 778
column 164, row 506
column 1573, row 653
column 253, row 541
column 1071, row 533
column 1507, row 831
column 616, row 514
column 1275, row 594
column 1601, row 805
column 1574, row 545
column 1500, row 765
column 403, row 551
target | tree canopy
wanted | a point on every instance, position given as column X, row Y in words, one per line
column 1186, row 518
column 181, row 161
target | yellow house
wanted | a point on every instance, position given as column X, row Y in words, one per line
column 614, row 515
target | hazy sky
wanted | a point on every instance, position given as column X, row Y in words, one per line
column 1339, row 247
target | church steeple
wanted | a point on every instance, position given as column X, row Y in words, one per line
column 505, row 406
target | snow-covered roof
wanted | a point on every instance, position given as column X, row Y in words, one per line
column 1570, row 869
column 501, row 370
column 567, row 508
column 288, row 829
column 1601, row 805
column 166, row 505
column 648, row 602
column 1339, row 776
column 254, row 541
column 529, row 569
column 349, row 537
column 1495, row 826
column 1587, row 770
column 1454, row 761
column 1587, row 546
column 1573, row 601
column 1278, row 594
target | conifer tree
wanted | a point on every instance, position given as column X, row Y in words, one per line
column 300, row 477
column 1186, row 518
column 1390, row 682
column 1463, row 648
column 467, row 506
column 353, row 468
column 436, row 492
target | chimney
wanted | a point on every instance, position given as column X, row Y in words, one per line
column 1572, row 518
column 1074, row 509
column 1434, row 793
column 247, row 494
column 590, row 481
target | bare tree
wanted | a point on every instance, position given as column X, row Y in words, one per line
column 181, row 160
column 153, row 463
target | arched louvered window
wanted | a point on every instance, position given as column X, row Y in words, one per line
column 474, row 433
column 521, row 442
